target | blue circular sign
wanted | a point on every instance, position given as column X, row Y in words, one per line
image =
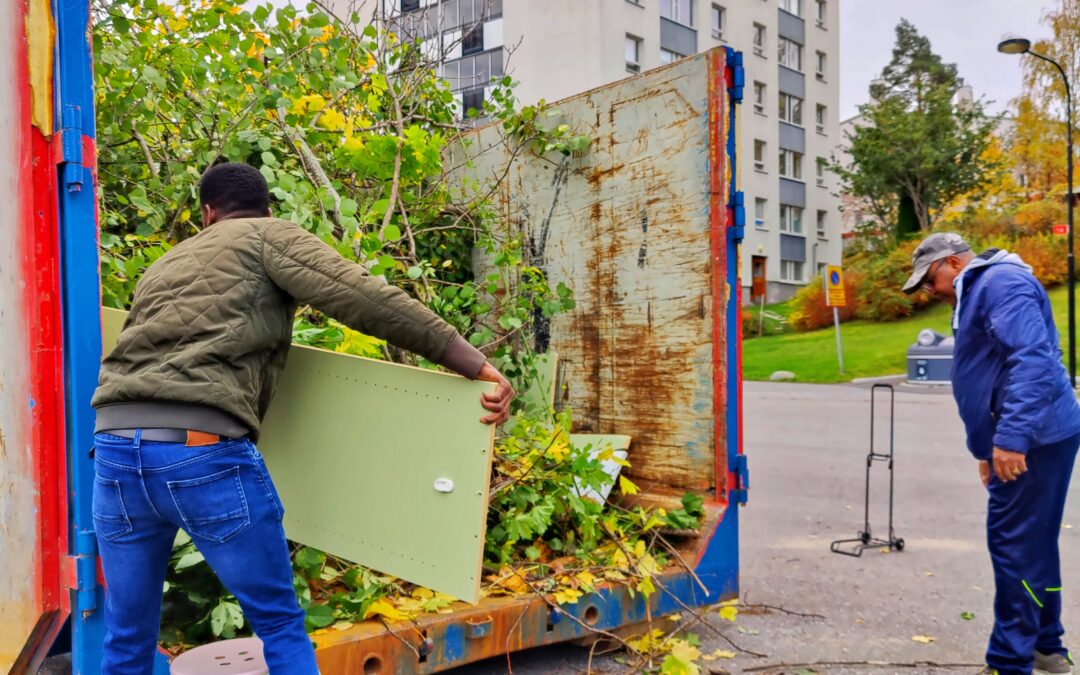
column 834, row 278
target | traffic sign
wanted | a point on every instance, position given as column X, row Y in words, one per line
column 1061, row 229
column 834, row 286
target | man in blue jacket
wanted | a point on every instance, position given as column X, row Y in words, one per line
column 1023, row 425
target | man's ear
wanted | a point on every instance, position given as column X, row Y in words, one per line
column 209, row 215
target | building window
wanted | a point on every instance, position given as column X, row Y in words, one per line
column 791, row 271
column 719, row 19
column 678, row 11
column 819, row 66
column 792, row 6
column 790, row 54
column 759, row 213
column 633, row 53
column 819, row 118
column 791, row 109
column 791, row 219
column 759, row 98
column 473, row 41
column 759, row 39
column 820, row 12
column 410, row 5
column 473, row 100
column 759, row 155
column 821, row 215
column 791, row 164
column 668, row 56
column 821, row 166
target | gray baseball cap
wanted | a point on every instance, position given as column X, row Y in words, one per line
column 935, row 247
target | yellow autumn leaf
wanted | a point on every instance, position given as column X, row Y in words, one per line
column 924, row 639
column 177, row 24
column 353, row 143
column 312, row 102
column 639, row 548
column 729, row 613
column 646, row 642
column 342, row 625
column 559, row 448
column 185, row 215
column 587, row 580
column 627, row 487
column 719, row 654
column 675, row 617
column 332, row 120
column 567, row 596
column 734, row 602
column 619, row 561
column 684, row 654
column 647, row 565
column 384, row 608
column 646, row 587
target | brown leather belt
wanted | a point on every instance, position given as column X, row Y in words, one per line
column 188, row 437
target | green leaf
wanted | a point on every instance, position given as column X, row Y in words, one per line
column 392, row 232
column 967, row 616
column 189, row 560
column 348, row 207
column 318, row 616
column 414, row 272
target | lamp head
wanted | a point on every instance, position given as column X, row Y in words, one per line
column 1014, row 46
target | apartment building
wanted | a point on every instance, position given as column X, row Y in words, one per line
column 788, row 124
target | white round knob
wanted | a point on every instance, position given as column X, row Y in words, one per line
column 444, row 485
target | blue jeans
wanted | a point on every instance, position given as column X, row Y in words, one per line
column 223, row 497
column 1022, row 525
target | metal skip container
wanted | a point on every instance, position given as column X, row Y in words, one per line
column 929, row 360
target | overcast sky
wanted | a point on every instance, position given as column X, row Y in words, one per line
column 964, row 32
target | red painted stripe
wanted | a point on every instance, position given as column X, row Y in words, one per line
column 39, row 240
column 718, row 219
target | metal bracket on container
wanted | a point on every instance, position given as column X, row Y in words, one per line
column 742, row 480
column 81, row 575
column 738, row 74
column 478, row 628
column 71, row 156
column 738, row 209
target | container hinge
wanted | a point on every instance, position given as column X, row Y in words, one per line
column 81, row 571
column 72, row 171
column 738, row 75
column 738, row 209
column 742, row 480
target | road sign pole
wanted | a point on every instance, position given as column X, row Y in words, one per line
column 839, row 347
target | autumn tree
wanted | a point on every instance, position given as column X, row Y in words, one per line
column 917, row 147
column 1037, row 141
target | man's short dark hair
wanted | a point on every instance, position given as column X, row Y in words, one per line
column 234, row 188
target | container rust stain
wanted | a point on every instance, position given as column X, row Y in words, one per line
column 627, row 228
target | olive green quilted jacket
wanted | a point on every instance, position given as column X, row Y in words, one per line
column 211, row 321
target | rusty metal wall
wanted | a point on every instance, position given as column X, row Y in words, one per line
column 19, row 599
column 627, row 227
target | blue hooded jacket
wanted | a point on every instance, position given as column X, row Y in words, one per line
column 1008, row 380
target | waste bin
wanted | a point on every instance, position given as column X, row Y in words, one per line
column 929, row 360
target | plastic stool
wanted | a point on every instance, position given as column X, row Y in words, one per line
column 241, row 656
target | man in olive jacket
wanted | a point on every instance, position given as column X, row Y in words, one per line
column 181, row 398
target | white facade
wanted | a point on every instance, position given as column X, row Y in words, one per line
column 558, row 48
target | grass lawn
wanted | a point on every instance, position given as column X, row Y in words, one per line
column 870, row 349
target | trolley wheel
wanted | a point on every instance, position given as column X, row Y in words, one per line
column 864, row 537
column 899, row 544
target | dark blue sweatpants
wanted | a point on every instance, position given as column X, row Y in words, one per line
column 1022, row 526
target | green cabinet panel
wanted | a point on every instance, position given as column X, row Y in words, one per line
column 381, row 464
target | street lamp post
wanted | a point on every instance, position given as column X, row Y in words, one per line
column 1022, row 46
